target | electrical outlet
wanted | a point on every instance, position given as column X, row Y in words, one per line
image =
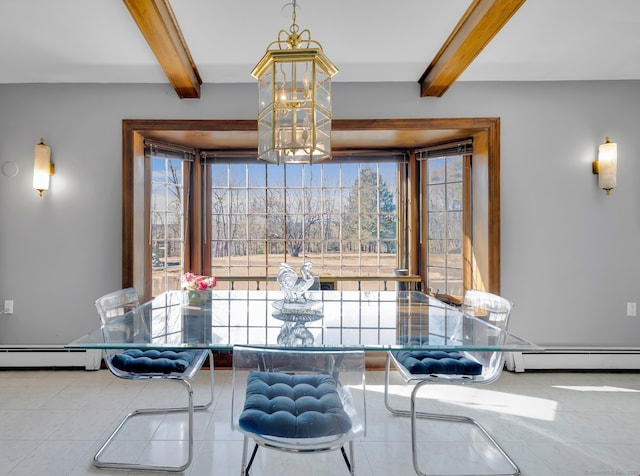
column 631, row 309
column 8, row 306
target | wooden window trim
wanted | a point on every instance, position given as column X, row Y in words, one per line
column 485, row 131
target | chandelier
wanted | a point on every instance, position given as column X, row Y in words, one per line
column 294, row 99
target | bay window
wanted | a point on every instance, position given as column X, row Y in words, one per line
column 196, row 199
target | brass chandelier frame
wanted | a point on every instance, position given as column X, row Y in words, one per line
column 294, row 89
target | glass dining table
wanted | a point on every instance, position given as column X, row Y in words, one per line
column 321, row 320
column 374, row 320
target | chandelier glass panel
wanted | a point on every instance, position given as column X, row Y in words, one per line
column 294, row 99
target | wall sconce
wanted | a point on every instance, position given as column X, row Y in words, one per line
column 42, row 167
column 607, row 165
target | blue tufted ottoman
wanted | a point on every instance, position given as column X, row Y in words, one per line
column 437, row 362
column 152, row 361
column 293, row 406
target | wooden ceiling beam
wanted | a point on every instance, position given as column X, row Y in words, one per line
column 479, row 24
column 158, row 25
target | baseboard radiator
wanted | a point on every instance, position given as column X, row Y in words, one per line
column 576, row 358
column 553, row 358
column 48, row 356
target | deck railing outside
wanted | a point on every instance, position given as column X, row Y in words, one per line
column 340, row 283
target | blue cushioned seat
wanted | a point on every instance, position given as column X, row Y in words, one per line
column 293, row 406
column 437, row 362
column 154, row 361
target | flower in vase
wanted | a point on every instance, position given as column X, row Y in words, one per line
column 195, row 282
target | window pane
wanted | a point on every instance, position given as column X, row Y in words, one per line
column 219, row 252
column 388, row 226
column 237, row 201
column 159, row 197
column 314, row 227
column 237, row 227
column 158, row 172
column 294, row 175
column 295, row 200
column 437, row 197
column 257, row 247
column 275, row 225
column 219, row 227
column 437, row 252
column 349, row 174
column 257, row 226
column 331, row 174
column 349, row 246
column 350, row 226
column 454, row 282
column 238, row 248
column 276, row 247
column 167, row 222
column 331, row 246
column 437, row 278
column 219, row 200
column 454, row 227
column 257, row 176
column 341, row 216
column 454, row 255
column 316, row 248
column 275, row 200
column 368, row 178
column 454, row 196
column 275, row 175
column 237, row 175
column 388, row 173
column 219, row 175
column 388, row 198
column 312, row 176
column 388, row 249
column 369, row 227
column 454, row 169
column 257, row 199
column 436, row 172
column 437, row 225
column 445, row 224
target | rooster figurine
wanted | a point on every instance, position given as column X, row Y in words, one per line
column 292, row 285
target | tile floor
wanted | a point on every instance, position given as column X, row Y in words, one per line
column 551, row 423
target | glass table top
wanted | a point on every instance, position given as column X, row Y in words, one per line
column 378, row 320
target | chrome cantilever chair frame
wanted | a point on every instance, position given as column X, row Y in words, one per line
column 116, row 304
column 345, row 366
column 490, row 304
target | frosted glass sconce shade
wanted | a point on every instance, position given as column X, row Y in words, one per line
column 607, row 165
column 42, row 167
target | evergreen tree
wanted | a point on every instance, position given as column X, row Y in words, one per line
column 364, row 227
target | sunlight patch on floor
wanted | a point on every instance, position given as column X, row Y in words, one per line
column 596, row 388
column 480, row 399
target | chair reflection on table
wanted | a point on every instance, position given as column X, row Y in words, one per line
column 463, row 367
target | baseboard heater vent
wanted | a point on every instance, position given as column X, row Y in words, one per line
column 576, row 358
column 48, row 356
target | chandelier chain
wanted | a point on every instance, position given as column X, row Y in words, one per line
column 294, row 26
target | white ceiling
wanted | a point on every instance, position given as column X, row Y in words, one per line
column 58, row 41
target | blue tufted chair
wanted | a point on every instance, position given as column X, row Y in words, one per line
column 466, row 368
column 298, row 401
column 118, row 315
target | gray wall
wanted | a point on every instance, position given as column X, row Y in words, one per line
column 569, row 253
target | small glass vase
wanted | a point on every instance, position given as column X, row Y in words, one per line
column 198, row 298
